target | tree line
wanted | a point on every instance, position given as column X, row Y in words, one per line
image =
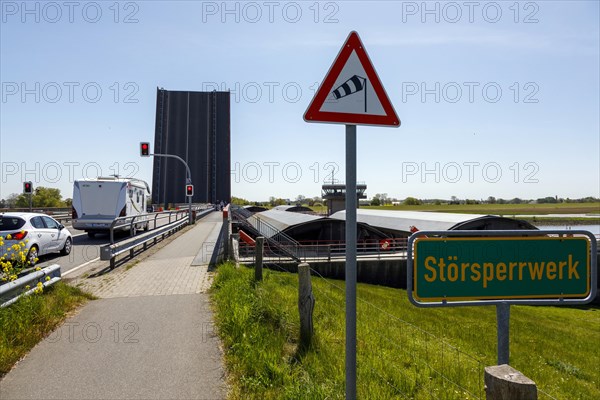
column 42, row 197
column 382, row 199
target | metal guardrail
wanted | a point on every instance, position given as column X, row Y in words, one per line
column 12, row 291
column 133, row 221
column 111, row 251
column 62, row 217
column 44, row 210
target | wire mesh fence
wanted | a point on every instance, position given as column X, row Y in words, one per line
column 397, row 358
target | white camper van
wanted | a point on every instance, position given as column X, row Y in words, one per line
column 97, row 202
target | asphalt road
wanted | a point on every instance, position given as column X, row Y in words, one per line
column 85, row 249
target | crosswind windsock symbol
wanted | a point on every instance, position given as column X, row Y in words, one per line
column 353, row 85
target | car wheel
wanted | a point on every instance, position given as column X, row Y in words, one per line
column 32, row 255
column 66, row 250
column 91, row 235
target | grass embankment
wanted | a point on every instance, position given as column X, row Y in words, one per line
column 29, row 320
column 403, row 351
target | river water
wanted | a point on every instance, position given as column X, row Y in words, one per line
column 595, row 229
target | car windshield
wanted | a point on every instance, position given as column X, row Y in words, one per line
column 10, row 223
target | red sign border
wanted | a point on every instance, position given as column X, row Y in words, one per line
column 313, row 113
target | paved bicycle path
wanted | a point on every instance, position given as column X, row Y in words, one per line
column 149, row 336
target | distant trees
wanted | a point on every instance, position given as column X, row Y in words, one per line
column 380, row 199
column 239, row 201
column 548, row 199
column 277, row 201
column 412, row 201
column 43, row 197
column 300, row 199
column 11, row 200
column 315, row 201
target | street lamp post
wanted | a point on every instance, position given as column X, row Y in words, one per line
column 145, row 152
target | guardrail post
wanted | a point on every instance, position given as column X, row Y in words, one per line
column 306, row 305
column 503, row 382
column 132, row 226
column 258, row 262
column 226, row 233
column 112, row 232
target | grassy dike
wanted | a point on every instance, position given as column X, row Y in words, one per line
column 403, row 351
column 29, row 320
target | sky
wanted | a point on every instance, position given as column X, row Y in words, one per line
column 495, row 98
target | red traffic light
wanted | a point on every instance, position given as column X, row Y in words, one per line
column 145, row 149
column 189, row 190
column 27, row 187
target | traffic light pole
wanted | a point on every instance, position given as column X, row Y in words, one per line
column 188, row 181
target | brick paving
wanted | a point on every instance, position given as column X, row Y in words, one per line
column 167, row 272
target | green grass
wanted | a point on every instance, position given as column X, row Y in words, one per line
column 502, row 209
column 30, row 319
column 402, row 350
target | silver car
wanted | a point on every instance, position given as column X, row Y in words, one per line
column 42, row 234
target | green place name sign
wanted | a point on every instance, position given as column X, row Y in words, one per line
column 487, row 268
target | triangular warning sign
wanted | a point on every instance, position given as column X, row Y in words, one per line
column 351, row 92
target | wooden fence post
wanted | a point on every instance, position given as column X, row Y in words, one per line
column 306, row 305
column 503, row 382
column 235, row 249
column 258, row 262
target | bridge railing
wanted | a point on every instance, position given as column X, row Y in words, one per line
column 151, row 220
column 175, row 220
column 273, row 236
column 332, row 250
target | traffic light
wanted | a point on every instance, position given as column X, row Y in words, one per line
column 189, row 190
column 27, row 187
column 145, row 149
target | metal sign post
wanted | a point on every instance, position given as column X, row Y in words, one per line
column 503, row 326
column 338, row 101
column 351, row 261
